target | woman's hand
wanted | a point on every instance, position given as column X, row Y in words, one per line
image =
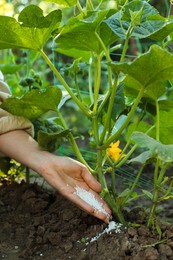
column 63, row 173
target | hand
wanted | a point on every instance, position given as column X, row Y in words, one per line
column 65, row 174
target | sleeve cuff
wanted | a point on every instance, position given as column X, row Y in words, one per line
column 10, row 123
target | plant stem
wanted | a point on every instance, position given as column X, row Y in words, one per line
column 90, row 81
column 162, row 173
column 113, row 182
column 77, row 88
column 107, row 57
column 108, row 116
column 157, row 181
column 135, row 182
column 97, row 8
column 73, row 143
column 79, row 6
column 126, row 43
column 157, row 121
column 107, row 96
column 90, row 4
column 63, row 82
column 95, row 128
column 97, row 83
column 123, row 161
column 151, row 217
column 124, row 125
column 109, row 199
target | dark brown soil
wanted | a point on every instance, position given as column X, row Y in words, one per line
column 39, row 224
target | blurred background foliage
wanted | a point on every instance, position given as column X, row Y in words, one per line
column 23, row 69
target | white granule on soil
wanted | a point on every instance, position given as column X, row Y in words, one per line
column 89, row 198
column 113, row 226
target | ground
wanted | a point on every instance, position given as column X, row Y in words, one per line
column 36, row 223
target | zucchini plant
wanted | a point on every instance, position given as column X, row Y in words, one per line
column 128, row 98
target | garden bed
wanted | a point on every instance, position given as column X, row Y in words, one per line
column 37, row 223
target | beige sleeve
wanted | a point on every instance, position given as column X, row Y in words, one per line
column 9, row 122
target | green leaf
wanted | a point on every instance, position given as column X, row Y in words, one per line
column 157, row 149
column 136, row 17
column 154, row 91
column 119, row 102
column 33, row 103
column 137, row 126
column 51, row 141
column 124, row 193
column 148, row 194
column 142, row 158
column 65, row 3
column 150, row 23
column 170, row 196
column 154, row 66
column 79, row 35
column 49, row 125
column 166, row 105
column 118, row 105
column 166, row 126
column 72, row 69
column 10, row 68
column 31, row 31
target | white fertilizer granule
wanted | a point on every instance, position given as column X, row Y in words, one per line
column 113, row 226
column 90, row 199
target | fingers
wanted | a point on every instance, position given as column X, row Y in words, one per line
column 91, row 181
column 89, row 209
column 102, row 202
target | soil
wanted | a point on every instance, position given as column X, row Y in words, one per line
column 37, row 223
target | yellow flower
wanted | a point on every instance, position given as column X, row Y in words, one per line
column 115, row 152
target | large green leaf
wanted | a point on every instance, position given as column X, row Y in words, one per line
column 49, row 134
column 34, row 103
column 31, row 31
column 51, row 141
column 165, row 104
column 141, row 158
column 166, row 126
column 157, row 149
column 78, row 36
column 10, row 68
column 151, row 24
column 154, row 91
column 64, row 3
column 154, row 66
column 137, row 126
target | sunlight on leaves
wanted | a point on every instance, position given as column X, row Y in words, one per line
column 33, row 103
column 154, row 66
column 151, row 25
column 65, row 3
column 157, row 149
column 31, row 31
